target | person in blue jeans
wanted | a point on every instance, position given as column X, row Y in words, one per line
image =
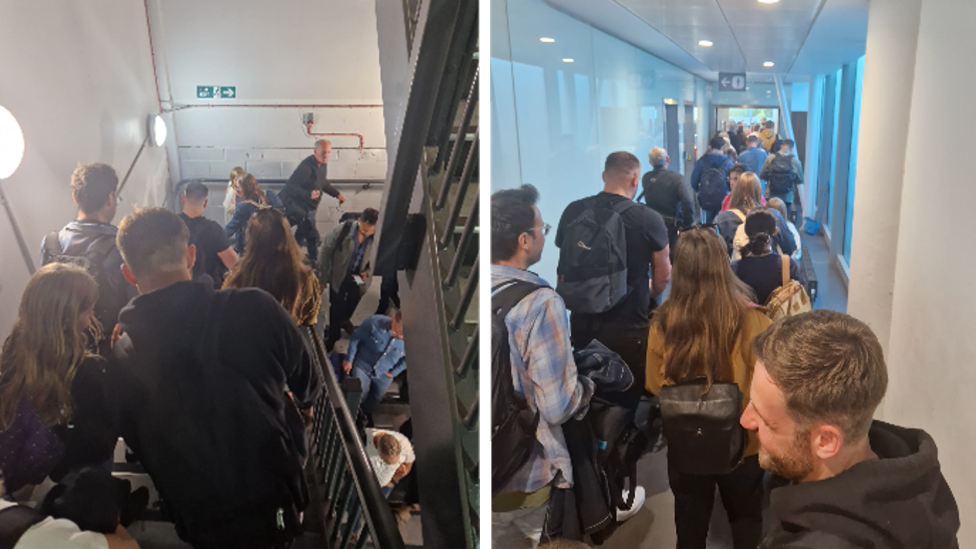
column 376, row 356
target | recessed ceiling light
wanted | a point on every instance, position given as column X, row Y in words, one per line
column 768, row 1
column 769, row 64
column 567, row 60
column 547, row 40
column 705, row 43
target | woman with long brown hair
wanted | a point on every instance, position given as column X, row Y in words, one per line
column 745, row 195
column 704, row 331
column 273, row 262
column 252, row 200
column 49, row 380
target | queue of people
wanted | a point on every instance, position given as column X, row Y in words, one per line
column 181, row 337
column 760, row 398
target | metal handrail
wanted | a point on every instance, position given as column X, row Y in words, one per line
column 379, row 519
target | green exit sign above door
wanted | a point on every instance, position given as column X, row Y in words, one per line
column 221, row 92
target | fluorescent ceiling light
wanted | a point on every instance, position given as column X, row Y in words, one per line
column 547, row 40
column 11, row 144
column 567, row 60
column 768, row 1
column 705, row 43
column 769, row 64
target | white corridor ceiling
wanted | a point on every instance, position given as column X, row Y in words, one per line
column 802, row 37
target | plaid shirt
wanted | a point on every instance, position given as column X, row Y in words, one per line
column 542, row 357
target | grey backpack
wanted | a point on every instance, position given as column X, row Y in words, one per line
column 592, row 266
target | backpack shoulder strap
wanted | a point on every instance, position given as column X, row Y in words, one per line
column 99, row 249
column 508, row 294
column 623, row 205
column 739, row 213
column 785, row 261
column 15, row 521
column 346, row 229
column 51, row 246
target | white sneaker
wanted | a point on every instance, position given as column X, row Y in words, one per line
column 638, row 503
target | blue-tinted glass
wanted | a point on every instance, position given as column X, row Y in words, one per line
column 848, row 222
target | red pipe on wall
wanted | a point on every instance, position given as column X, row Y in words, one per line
column 309, row 127
column 278, row 106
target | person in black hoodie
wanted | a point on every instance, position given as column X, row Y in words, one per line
column 852, row 481
column 202, row 377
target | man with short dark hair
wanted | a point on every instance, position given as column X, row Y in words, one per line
column 543, row 369
column 754, row 157
column 623, row 328
column 201, row 381
column 667, row 193
column 215, row 256
column 783, row 172
column 856, row 482
column 710, row 178
column 303, row 192
column 343, row 265
column 90, row 240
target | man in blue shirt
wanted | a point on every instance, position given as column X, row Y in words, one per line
column 754, row 157
column 376, row 356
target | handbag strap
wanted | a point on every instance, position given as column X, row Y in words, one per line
column 785, row 261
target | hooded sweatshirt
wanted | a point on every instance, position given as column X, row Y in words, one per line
column 768, row 137
column 900, row 501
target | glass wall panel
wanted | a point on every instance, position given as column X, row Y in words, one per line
column 838, row 77
column 859, row 82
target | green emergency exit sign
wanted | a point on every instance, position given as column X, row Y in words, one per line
column 221, row 92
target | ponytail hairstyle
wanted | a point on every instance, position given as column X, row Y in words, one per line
column 760, row 228
column 251, row 191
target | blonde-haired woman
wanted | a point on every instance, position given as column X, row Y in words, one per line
column 230, row 201
column 746, row 195
column 55, row 406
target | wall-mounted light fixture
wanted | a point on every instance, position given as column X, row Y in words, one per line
column 156, row 133
column 11, row 154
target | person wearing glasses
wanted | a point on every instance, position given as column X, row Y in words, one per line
column 344, row 265
column 89, row 240
column 623, row 328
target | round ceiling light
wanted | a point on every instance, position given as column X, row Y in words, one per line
column 547, row 40
column 769, row 64
column 705, row 43
column 157, row 130
column 11, row 144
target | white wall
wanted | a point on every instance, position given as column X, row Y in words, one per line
column 911, row 275
column 298, row 52
column 554, row 123
column 78, row 77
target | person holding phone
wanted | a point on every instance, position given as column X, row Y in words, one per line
column 344, row 265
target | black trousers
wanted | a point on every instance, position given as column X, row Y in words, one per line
column 307, row 234
column 342, row 304
column 694, row 498
column 389, row 293
column 630, row 342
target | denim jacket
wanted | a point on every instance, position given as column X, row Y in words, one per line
column 374, row 350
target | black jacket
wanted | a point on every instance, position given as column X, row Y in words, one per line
column 585, row 508
column 201, row 377
column 667, row 193
column 900, row 501
column 307, row 177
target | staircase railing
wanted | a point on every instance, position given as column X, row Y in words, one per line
column 428, row 235
column 345, row 492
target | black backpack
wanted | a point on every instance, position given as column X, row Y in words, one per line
column 14, row 522
column 620, row 444
column 781, row 174
column 513, row 424
column 703, row 431
column 592, row 266
column 713, row 187
column 92, row 260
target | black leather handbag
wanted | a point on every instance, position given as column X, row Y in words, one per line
column 702, row 428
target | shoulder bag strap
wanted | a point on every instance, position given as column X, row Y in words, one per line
column 738, row 213
column 785, row 260
column 14, row 522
